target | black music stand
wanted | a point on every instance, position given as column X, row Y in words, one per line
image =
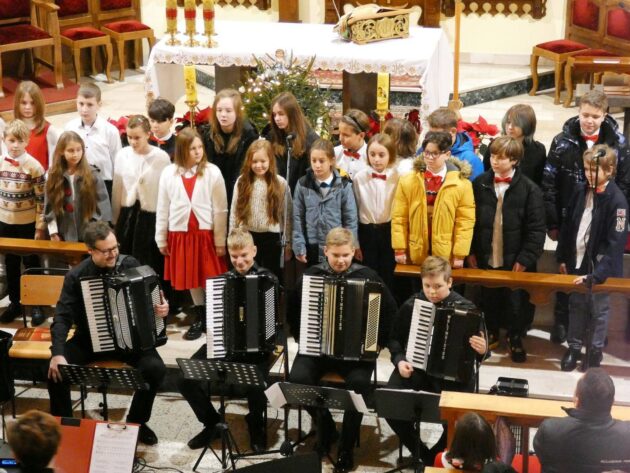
column 223, row 373
column 415, row 406
column 103, row 379
column 313, row 396
column 306, row 463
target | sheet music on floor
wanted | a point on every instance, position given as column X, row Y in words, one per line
column 114, row 448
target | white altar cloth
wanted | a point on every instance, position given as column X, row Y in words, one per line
column 425, row 53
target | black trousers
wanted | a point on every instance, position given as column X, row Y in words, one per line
column 508, row 308
column 561, row 309
column 148, row 362
column 269, row 251
column 356, row 374
column 376, row 245
column 198, row 393
column 13, row 262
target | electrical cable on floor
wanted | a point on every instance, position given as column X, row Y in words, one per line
column 140, row 464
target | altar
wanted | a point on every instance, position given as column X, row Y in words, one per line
column 425, row 53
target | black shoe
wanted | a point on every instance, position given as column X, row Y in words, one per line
column 146, row 435
column 517, row 351
column 203, row 438
column 345, row 461
column 558, row 334
column 37, row 316
column 196, row 330
column 256, row 429
column 570, row 359
column 595, row 357
column 327, row 435
column 11, row 313
column 493, row 341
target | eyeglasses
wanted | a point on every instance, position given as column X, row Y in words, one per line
column 433, row 155
column 109, row 251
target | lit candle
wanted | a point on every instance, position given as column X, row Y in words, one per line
column 190, row 12
column 208, row 17
column 190, row 83
column 382, row 92
column 171, row 16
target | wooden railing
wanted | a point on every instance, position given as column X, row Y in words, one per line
column 540, row 286
column 536, row 8
column 71, row 252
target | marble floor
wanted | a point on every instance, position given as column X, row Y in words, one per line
column 173, row 420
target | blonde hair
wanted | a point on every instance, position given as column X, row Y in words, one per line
column 443, row 118
column 18, row 129
column 340, row 236
column 436, row 266
column 239, row 239
column 607, row 163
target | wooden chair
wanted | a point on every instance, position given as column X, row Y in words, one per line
column 123, row 30
column 592, row 62
column 77, row 33
column 40, row 289
column 39, row 28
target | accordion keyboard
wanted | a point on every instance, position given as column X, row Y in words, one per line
column 93, row 295
column 214, row 318
column 419, row 345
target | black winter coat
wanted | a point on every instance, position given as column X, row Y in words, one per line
column 609, row 230
column 533, row 163
column 523, row 220
column 565, row 166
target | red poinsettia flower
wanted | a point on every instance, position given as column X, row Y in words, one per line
column 414, row 117
column 120, row 124
column 375, row 124
column 477, row 130
column 201, row 117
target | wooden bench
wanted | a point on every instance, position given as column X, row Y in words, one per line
column 526, row 412
column 70, row 251
column 592, row 65
column 540, row 286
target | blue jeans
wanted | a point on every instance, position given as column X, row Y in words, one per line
column 579, row 317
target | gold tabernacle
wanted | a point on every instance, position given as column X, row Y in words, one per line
column 369, row 23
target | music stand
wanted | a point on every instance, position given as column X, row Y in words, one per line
column 306, row 463
column 103, row 378
column 223, row 373
column 415, row 406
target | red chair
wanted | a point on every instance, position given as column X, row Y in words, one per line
column 617, row 37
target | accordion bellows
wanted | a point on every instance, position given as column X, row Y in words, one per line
column 369, row 23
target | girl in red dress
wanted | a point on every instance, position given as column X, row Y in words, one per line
column 191, row 222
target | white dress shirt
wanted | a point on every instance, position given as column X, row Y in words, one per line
column 348, row 163
column 375, row 196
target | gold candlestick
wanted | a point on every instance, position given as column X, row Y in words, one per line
column 208, row 22
column 171, row 22
column 190, row 85
column 192, row 107
column 190, row 15
column 382, row 97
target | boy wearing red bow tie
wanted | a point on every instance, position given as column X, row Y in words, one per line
column 509, row 235
column 351, row 153
column 434, row 208
column 564, row 170
column 22, row 183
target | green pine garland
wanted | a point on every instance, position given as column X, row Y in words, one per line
column 275, row 75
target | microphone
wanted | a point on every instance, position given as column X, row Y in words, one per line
column 600, row 154
column 290, row 137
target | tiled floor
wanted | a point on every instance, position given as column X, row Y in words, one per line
column 174, row 421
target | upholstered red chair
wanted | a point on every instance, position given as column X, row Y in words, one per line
column 617, row 27
column 24, row 27
column 77, row 33
column 129, row 28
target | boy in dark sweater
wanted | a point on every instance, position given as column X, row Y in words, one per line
column 509, row 235
column 591, row 244
column 161, row 114
column 436, row 288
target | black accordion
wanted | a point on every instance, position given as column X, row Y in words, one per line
column 340, row 317
column 241, row 314
column 120, row 312
column 438, row 340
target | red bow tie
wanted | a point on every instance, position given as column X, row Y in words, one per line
column 157, row 140
column 352, row 154
column 12, row 161
column 592, row 138
column 498, row 180
column 376, row 175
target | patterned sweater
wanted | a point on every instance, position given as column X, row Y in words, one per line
column 22, row 184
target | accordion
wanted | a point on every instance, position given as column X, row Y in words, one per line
column 241, row 314
column 120, row 313
column 438, row 340
column 340, row 317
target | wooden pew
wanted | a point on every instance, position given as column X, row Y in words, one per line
column 526, row 412
column 540, row 286
column 70, row 251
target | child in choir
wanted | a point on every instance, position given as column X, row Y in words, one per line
column 229, row 137
column 374, row 188
column 30, row 107
column 564, row 170
column 161, row 117
column 242, row 251
column 22, row 184
column 261, row 198
column 445, row 120
column 434, row 206
column 509, row 235
column 351, row 154
column 436, row 288
column 288, row 128
column 339, row 250
column 135, row 193
column 75, row 191
column 101, row 138
column 405, row 137
column 322, row 201
column 519, row 122
column 590, row 246
column 191, row 223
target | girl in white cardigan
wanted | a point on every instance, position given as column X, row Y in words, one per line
column 191, row 223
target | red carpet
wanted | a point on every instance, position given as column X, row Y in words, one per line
column 46, row 80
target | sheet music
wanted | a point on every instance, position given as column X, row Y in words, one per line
column 114, row 448
column 275, row 396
